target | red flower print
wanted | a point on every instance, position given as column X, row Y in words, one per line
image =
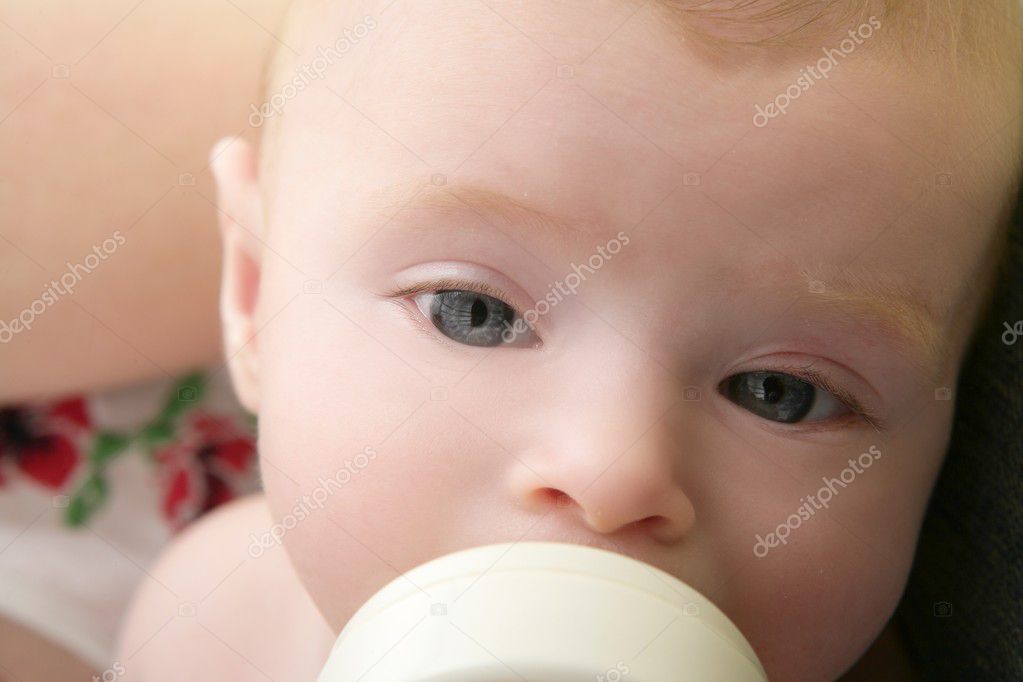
column 176, row 494
column 43, row 442
column 201, row 469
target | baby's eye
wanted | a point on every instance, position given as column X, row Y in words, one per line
column 782, row 397
column 474, row 319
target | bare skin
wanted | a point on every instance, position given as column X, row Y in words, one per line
column 257, row 625
column 112, row 147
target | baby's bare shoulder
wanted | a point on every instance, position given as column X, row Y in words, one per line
column 210, row 610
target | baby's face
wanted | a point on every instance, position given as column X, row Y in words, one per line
column 725, row 316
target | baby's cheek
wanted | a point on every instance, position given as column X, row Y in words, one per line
column 344, row 535
column 812, row 606
column 335, row 403
column 827, row 568
column 812, row 551
column 356, row 518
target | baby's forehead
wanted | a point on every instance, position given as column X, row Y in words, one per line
column 450, row 83
column 446, row 71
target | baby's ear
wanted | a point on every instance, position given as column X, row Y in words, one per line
column 240, row 213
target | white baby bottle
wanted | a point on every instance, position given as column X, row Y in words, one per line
column 542, row 612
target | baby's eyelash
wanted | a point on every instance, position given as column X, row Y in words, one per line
column 451, row 284
column 821, row 381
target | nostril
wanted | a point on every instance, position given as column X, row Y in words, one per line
column 555, row 497
column 653, row 524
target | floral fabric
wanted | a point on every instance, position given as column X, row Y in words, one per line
column 200, row 456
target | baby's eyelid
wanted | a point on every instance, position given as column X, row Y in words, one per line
column 451, row 284
column 446, row 284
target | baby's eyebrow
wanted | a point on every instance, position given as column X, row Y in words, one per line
column 866, row 297
column 518, row 214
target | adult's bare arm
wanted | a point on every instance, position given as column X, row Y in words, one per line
column 108, row 111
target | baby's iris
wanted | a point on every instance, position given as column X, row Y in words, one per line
column 471, row 318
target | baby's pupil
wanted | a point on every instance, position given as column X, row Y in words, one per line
column 478, row 313
column 773, row 389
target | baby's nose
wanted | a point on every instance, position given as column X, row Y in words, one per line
column 604, row 449
column 636, row 492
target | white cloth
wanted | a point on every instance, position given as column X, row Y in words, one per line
column 72, row 585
